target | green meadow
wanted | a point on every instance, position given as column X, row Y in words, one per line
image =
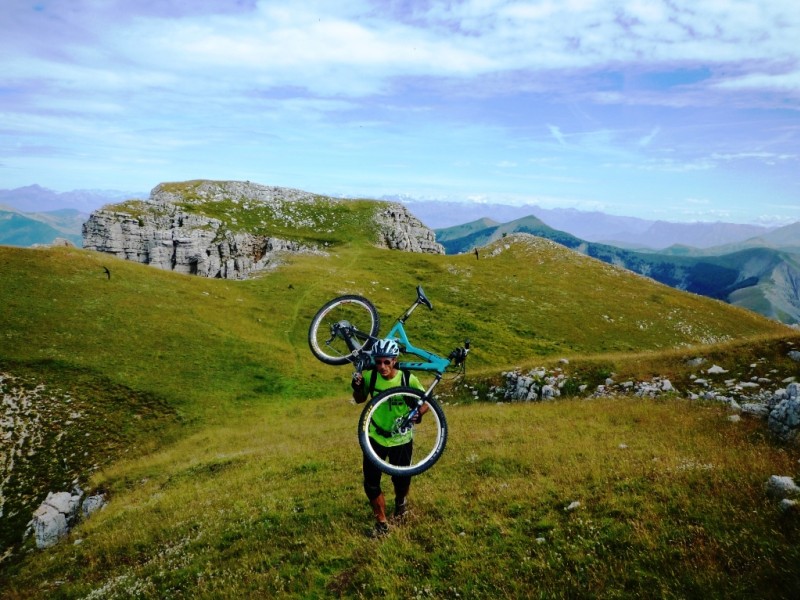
column 229, row 457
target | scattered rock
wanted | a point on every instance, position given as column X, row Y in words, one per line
column 756, row 398
column 59, row 512
column 755, row 410
column 92, row 504
column 782, row 487
column 784, row 418
column 534, row 386
column 51, row 521
column 549, row 392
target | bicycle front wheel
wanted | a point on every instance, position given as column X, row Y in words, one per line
column 429, row 436
column 341, row 327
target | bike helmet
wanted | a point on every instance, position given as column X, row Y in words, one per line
column 386, row 348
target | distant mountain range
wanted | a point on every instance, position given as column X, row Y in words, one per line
column 786, row 239
column 36, row 215
column 592, row 226
column 762, row 274
column 37, row 199
column 28, row 229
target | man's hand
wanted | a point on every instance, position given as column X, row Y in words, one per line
column 422, row 410
column 358, row 380
column 357, row 383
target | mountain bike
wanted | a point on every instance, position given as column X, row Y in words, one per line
column 343, row 331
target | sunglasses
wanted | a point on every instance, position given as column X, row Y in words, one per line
column 383, row 361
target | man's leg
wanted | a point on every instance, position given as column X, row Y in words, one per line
column 372, row 487
column 401, row 457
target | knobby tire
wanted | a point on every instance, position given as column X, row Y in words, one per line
column 356, row 310
column 430, row 436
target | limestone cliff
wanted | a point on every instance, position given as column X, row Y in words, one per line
column 398, row 229
column 232, row 229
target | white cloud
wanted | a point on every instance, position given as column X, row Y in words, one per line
column 707, row 214
column 665, row 165
column 444, row 91
column 556, row 133
column 358, row 47
column 646, row 140
column 781, row 82
column 776, row 220
column 766, row 157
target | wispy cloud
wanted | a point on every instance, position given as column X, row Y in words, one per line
column 555, row 131
column 339, row 94
column 767, row 157
column 646, row 140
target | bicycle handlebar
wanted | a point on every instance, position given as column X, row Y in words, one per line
column 459, row 355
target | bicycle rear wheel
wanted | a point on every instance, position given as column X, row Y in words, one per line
column 327, row 334
column 429, row 437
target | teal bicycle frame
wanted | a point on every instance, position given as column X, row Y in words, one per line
column 433, row 363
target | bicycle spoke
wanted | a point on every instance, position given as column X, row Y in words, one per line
column 340, row 327
column 428, row 438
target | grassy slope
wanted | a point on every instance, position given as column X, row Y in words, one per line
column 754, row 270
column 260, row 496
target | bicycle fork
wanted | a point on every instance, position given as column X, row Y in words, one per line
column 406, row 423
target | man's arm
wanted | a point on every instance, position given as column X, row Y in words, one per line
column 414, row 382
column 359, row 392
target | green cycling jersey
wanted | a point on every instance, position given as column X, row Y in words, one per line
column 386, row 415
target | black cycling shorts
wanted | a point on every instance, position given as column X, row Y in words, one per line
column 399, row 456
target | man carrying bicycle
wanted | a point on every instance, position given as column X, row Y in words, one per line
column 396, row 447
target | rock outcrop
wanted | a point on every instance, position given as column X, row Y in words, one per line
column 59, row 512
column 784, row 418
column 398, row 229
column 182, row 242
column 776, row 402
column 167, row 233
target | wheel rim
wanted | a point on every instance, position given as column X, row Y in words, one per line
column 349, row 311
column 428, row 438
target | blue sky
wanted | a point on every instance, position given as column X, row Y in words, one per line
column 678, row 110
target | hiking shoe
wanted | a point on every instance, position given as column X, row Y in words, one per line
column 400, row 510
column 381, row 529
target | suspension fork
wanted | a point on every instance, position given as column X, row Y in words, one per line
column 416, row 410
column 434, row 383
